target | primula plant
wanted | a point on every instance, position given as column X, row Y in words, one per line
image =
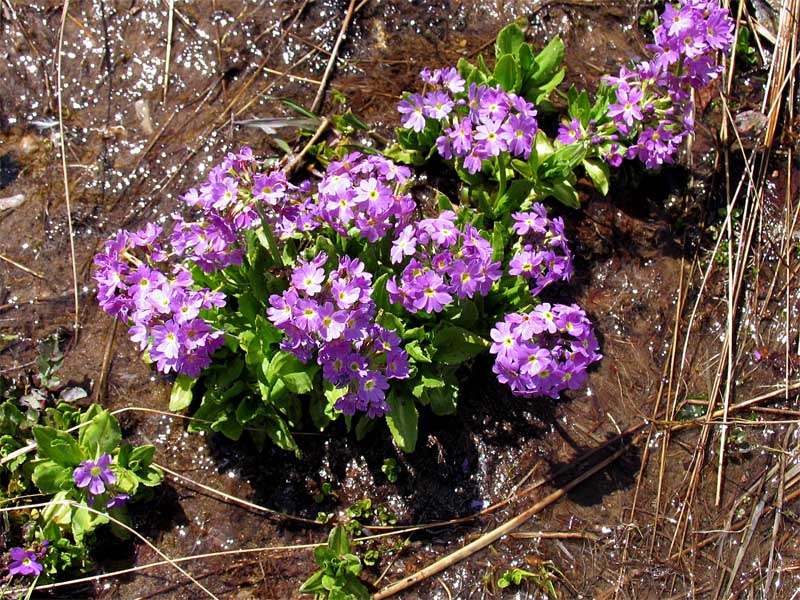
column 65, row 472
column 277, row 301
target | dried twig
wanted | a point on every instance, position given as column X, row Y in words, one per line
column 168, row 58
column 504, row 529
column 334, row 54
column 62, row 142
column 21, row 267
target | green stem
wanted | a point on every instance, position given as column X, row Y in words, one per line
column 501, row 175
column 277, row 257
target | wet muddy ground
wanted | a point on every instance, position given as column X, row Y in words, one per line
column 132, row 148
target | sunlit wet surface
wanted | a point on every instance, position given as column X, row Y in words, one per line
column 133, row 148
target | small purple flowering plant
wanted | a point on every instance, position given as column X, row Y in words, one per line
column 485, row 121
column 79, row 467
column 26, row 562
column 279, row 303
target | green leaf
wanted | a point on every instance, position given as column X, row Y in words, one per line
column 58, row 446
column 282, row 363
column 313, row 585
column 522, row 167
column 499, row 240
column 579, row 106
column 444, row 400
column 379, row 293
column 364, row 426
column 416, row 352
column 469, row 72
column 443, row 201
column 527, row 65
column 84, row 522
column 150, row 476
column 425, row 382
column 141, row 457
column 465, row 313
column 51, row 478
column 10, row 418
column 181, row 395
column 248, row 409
column 455, row 345
column 509, row 40
column 279, row 432
column 482, row 66
column 513, row 197
column 339, row 541
column 299, row 109
column 403, row 420
column 506, row 72
column 407, row 156
column 225, row 374
column 349, row 123
column 299, row 382
column 228, row 426
column 599, row 172
column 548, row 60
column 101, row 436
column 564, row 192
column 58, row 510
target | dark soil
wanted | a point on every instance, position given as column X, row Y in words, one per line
column 130, row 154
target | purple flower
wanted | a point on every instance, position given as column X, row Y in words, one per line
column 95, row 475
column 23, row 562
column 545, row 351
column 307, row 278
column 433, row 297
column 543, row 256
column 520, row 131
column 628, row 108
column 505, row 341
column 412, row 111
column 569, row 133
column 461, row 137
column 491, row 141
column 437, row 104
column 118, row 501
column 452, row 80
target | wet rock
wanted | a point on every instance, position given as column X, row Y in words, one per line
column 750, row 124
column 11, row 202
column 142, row 109
column 767, row 13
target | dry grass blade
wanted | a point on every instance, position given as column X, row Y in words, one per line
column 23, row 268
column 65, row 175
column 174, row 561
column 234, row 499
column 168, row 58
column 332, row 60
column 785, row 46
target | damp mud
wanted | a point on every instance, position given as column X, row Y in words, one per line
column 139, row 129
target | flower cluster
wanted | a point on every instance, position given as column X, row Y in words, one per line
column 365, row 193
column 97, row 476
column 27, row 562
column 477, row 124
column 446, row 262
column 333, row 315
column 226, row 206
column 162, row 310
column 543, row 256
column 653, row 105
column 544, row 351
